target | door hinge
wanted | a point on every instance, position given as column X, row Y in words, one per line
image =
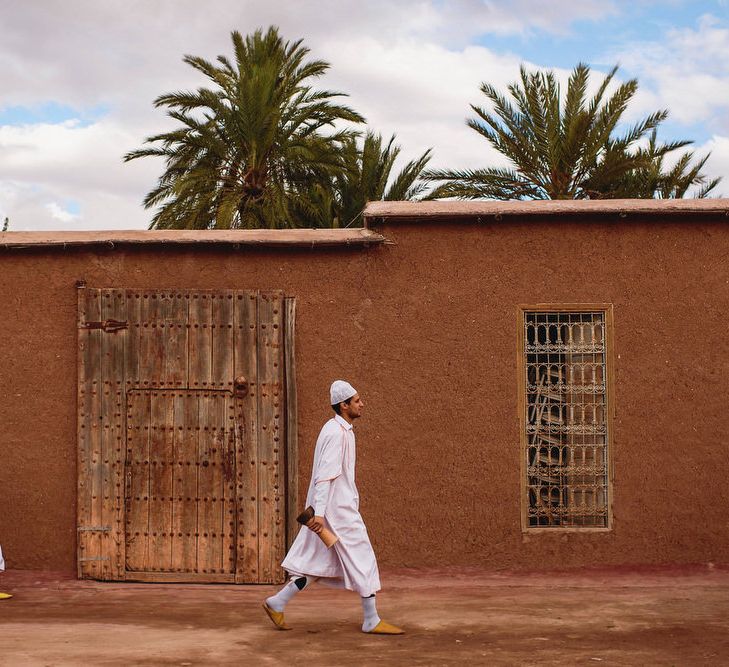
column 108, row 326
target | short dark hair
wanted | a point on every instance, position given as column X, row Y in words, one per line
column 337, row 407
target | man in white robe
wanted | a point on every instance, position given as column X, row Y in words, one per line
column 351, row 562
column 3, row 596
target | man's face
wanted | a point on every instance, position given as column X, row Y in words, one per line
column 353, row 409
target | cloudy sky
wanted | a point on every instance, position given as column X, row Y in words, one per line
column 78, row 79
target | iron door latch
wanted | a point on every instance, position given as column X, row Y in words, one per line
column 108, row 326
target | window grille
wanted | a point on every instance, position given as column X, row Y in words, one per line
column 565, row 419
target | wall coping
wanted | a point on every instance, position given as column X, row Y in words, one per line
column 240, row 237
column 387, row 212
column 375, row 214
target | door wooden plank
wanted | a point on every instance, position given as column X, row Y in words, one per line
column 204, row 491
column 214, row 471
column 222, row 339
column 152, row 343
column 228, row 487
column 83, row 424
column 161, row 467
column 133, row 346
column 222, row 378
column 176, row 375
column 131, row 381
column 89, row 406
column 137, row 497
column 114, row 307
column 292, row 452
column 246, row 367
column 184, row 512
column 176, row 332
column 94, row 549
column 210, row 484
column 199, row 341
column 271, row 475
column 199, row 375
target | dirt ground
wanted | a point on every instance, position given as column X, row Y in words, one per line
column 659, row 616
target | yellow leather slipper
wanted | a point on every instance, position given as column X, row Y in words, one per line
column 5, row 596
column 383, row 628
column 277, row 617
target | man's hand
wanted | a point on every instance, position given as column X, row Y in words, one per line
column 316, row 524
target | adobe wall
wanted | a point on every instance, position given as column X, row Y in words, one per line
column 426, row 330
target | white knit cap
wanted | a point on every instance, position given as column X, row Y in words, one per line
column 341, row 391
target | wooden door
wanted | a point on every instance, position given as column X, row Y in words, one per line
column 181, row 391
column 180, row 499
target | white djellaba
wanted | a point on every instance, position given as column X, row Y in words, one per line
column 351, row 562
column 3, row 596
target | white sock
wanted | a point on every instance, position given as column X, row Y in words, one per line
column 371, row 619
column 283, row 597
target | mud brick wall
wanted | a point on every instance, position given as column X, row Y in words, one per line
column 426, row 329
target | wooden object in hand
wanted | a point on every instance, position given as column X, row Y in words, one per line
column 326, row 535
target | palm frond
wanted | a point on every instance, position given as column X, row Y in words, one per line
column 567, row 146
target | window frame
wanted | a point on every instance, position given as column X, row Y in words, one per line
column 607, row 310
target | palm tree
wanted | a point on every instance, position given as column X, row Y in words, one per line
column 673, row 182
column 568, row 148
column 368, row 177
column 249, row 148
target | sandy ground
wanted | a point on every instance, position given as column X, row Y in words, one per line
column 665, row 616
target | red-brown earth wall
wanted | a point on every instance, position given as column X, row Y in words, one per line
column 426, row 330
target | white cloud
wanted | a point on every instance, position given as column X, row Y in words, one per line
column 686, row 72
column 421, row 92
column 718, row 164
column 127, row 52
column 59, row 213
column 43, row 164
column 72, row 156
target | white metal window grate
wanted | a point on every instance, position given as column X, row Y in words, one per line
column 566, row 419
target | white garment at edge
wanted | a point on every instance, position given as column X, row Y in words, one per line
column 351, row 562
column 2, row 562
